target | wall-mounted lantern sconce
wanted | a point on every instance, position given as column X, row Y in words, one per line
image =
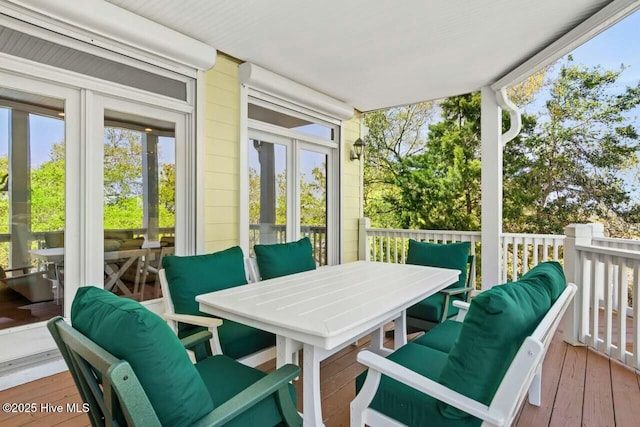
column 357, row 149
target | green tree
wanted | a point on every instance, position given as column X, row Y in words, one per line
column 47, row 192
column 122, row 165
column 394, row 135
column 573, row 163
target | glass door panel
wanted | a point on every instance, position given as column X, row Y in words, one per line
column 139, row 202
column 32, row 207
column 312, row 186
column 268, row 192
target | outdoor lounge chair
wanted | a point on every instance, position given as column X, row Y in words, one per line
column 132, row 370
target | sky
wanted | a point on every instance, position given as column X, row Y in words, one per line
column 610, row 49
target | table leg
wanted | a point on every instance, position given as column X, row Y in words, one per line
column 312, row 409
column 400, row 330
column 286, row 351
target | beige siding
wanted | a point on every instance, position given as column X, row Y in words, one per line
column 222, row 151
column 351, row 192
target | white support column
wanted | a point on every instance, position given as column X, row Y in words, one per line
column 150, row 183
column 363, row 240
column 491, row 180
column 576, row 235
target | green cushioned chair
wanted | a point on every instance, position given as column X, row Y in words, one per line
column 439, row 307
column 503, row 328
column 184, row 277
column 282, row 259
column 133, row 370
column 443, row 336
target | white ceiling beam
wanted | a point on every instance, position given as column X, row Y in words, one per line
column 588, row 29
column 114, row 23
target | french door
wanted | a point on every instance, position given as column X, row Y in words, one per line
column 290, row 192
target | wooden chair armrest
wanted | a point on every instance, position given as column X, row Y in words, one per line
column 456, row 291
column 207, row 322
column 463, row 308
column 275, row 382
column 416, row 381
column 196, row 339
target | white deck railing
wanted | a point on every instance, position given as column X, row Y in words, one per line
column 392, row 245
column 521, row 252
column 606, row 270
column 608, row 318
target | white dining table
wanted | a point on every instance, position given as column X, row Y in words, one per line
column 324, row 310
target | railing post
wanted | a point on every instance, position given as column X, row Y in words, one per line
column 363, row 239
column 576, row 235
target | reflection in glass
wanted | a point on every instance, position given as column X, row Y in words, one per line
column 298, row 124
column 313, row 202
column 267, row 193
column 32, row 203
column 139, row 202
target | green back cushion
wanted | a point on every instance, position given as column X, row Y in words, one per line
column 283, row 259
column 441, row 337
column 493, row 330
column 130, row 332
column 552, row 276
column 444, row 255
column 189, row 276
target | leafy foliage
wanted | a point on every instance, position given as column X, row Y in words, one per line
column 571, row 163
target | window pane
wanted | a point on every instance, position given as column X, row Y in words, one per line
column 32, row 203
column 313, row 202
column 267, row 193
column 139, row 202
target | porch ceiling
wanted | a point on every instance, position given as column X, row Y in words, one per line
column 373, row 55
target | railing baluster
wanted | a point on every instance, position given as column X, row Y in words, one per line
column 623, row 280
column 635, row 291
column 514, row 269
column 595, row 302
column 525, row 254
column 607, row 300
column 395, row 247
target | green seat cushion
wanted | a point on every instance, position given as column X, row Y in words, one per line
column 130, row 332
column 431, row 308
column 283, row 259
column 224, row 378
column 441, row 337
column 238, row 340
column 494, row 328
column 552, row 276
column 443, row 255
column 189, row 276
column 406, row 404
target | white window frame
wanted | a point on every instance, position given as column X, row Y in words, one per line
column 327, row 146
column 83, row 203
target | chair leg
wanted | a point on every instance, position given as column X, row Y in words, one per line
column 535, row 389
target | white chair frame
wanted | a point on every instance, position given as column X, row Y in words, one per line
column 524, row 375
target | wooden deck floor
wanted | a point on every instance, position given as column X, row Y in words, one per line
column 580, row 388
